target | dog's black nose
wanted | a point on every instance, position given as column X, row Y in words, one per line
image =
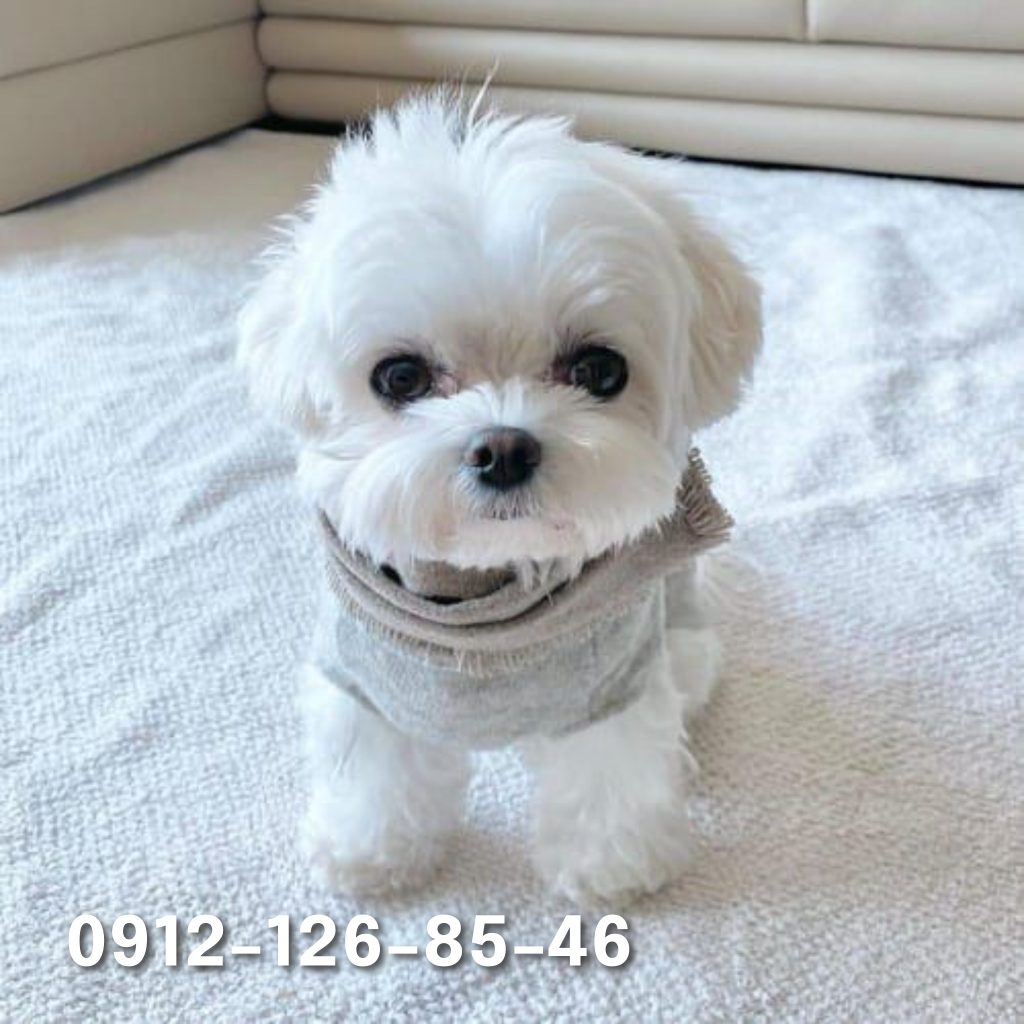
column 503, row 457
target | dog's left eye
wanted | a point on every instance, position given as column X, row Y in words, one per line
column 401, row 378
column 598, row 370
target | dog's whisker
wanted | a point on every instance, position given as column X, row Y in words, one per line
column 336, row 456
column 346, row 755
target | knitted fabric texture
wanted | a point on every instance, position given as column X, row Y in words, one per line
column 494, row 660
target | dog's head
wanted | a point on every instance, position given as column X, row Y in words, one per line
column 496, row 340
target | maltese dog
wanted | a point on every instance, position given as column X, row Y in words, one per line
column 495, row 342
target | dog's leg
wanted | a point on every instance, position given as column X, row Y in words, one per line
column 383, row 804
column 695, row 659
column 694, row 650
column 611, row 816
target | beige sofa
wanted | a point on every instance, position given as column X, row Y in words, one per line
column 931, row 87
column 87, row 88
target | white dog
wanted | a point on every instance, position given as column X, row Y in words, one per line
column 495, row 342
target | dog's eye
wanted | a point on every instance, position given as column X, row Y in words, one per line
column 401, row 379
column 600, row 371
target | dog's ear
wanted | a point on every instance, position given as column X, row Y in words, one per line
column 725, row 318
column 273, row 349
column 725, row 333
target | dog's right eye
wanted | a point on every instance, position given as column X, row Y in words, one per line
column 596, row 369
column 402, row 379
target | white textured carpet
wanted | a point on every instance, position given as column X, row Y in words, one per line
column 861, row 798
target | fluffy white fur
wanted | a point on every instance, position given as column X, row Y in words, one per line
column 490, row 245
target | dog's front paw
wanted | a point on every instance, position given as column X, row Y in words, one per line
column 596, row 866
column 346, row 861
column 372, row 855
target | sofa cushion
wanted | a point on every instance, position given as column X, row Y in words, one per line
column 36, row 35
column 74, row 122
column 960, row 24
column 982, row 148
column 869, row 77
column 758, row 19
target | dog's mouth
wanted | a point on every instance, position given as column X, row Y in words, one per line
column 506, row 515
column 512, row 506
column 494, row 537
column 526, row 517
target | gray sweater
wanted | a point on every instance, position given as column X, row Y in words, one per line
column 478, row 658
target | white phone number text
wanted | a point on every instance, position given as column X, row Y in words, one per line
column 317, row 941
